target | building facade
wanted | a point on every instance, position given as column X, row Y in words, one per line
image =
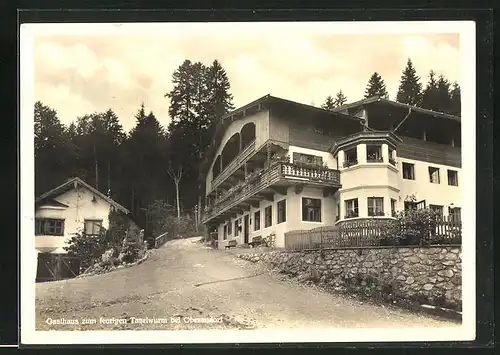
column 72, row 207
column 277, row 166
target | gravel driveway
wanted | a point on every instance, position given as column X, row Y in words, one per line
column 189, row 282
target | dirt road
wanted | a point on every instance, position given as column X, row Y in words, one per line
column 186, row 282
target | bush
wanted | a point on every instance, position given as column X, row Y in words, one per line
column 412, row 227
column 122, row 237
column 87, row 248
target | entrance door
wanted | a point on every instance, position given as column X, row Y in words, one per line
column 245, row 229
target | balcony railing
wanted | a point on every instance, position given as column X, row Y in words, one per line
column 277, row 171
column 234, row 164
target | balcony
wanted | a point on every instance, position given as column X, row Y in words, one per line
column 234, row 165
column 283, row 174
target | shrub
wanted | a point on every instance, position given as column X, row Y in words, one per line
column 412, row 227
column 87, row 248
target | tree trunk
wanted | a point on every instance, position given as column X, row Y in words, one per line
column 178, row 203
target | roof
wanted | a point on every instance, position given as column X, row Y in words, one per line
column 52, row 202
column 378, row 99
column 70, row 184
column 240, row 112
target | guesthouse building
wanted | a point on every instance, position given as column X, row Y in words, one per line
column 277, row 166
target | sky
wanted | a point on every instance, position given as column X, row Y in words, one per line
column 80, row 73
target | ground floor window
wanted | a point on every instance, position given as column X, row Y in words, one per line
column 49, row 226
column 311, row 209
column 375, row 206
column 281, row 205
column 229, row 228
column 256, row 217
column 437, row 209
column 351, row 208
column 93, row 226
column 268, row 216
column 224, row 232
column 393, row 207
column 455, row 214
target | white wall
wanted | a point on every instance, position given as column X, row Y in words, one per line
column 436, row 194
column 80, row 208
column 293, row 216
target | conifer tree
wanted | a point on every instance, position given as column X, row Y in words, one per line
column 410, row 88
column 329, row 103
column 340, row 99
column 376, row 87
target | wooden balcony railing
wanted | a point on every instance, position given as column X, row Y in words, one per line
column 234, row 164
column 275, row 172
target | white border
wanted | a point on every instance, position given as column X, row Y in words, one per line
column 466, row 30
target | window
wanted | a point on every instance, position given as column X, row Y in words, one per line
column 454, row 214
column 236, row 227
column 307, row 159
column 437, row 209
column 351, row 208
column 224, row 234
column 410, row 205
column 393, row 207
column 351, row 157
column 229, row 228
column 374, row 154
column 375, row 206
column 281, row 205
column 48, row 226
column 268, row 216
column 256, row 217
column 434, row 175
column 408, row 171
column 92, row 226
column 452, row 178
column 311, row 209
column 392, row 158
column 337, row 217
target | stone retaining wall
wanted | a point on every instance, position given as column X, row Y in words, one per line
column 430, row 275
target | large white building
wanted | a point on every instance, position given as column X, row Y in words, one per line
column 277, row 166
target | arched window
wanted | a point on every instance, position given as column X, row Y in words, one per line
column 247, row 134
column 231, row 150
column 216, row 168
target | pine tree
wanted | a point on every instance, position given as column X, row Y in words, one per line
column 430, row 97
column 455, row 96
column 443, row 94
column 329, row 103
column 376, row 87
column 340, row 99
column 54, row 152
column 410, row 88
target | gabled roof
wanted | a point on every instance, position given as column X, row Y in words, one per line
column 378, row 99
column 71, row 184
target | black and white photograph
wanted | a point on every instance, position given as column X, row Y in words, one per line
column 248, row 182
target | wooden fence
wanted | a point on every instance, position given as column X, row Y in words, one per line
column 367, row 232
column 53, row 267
